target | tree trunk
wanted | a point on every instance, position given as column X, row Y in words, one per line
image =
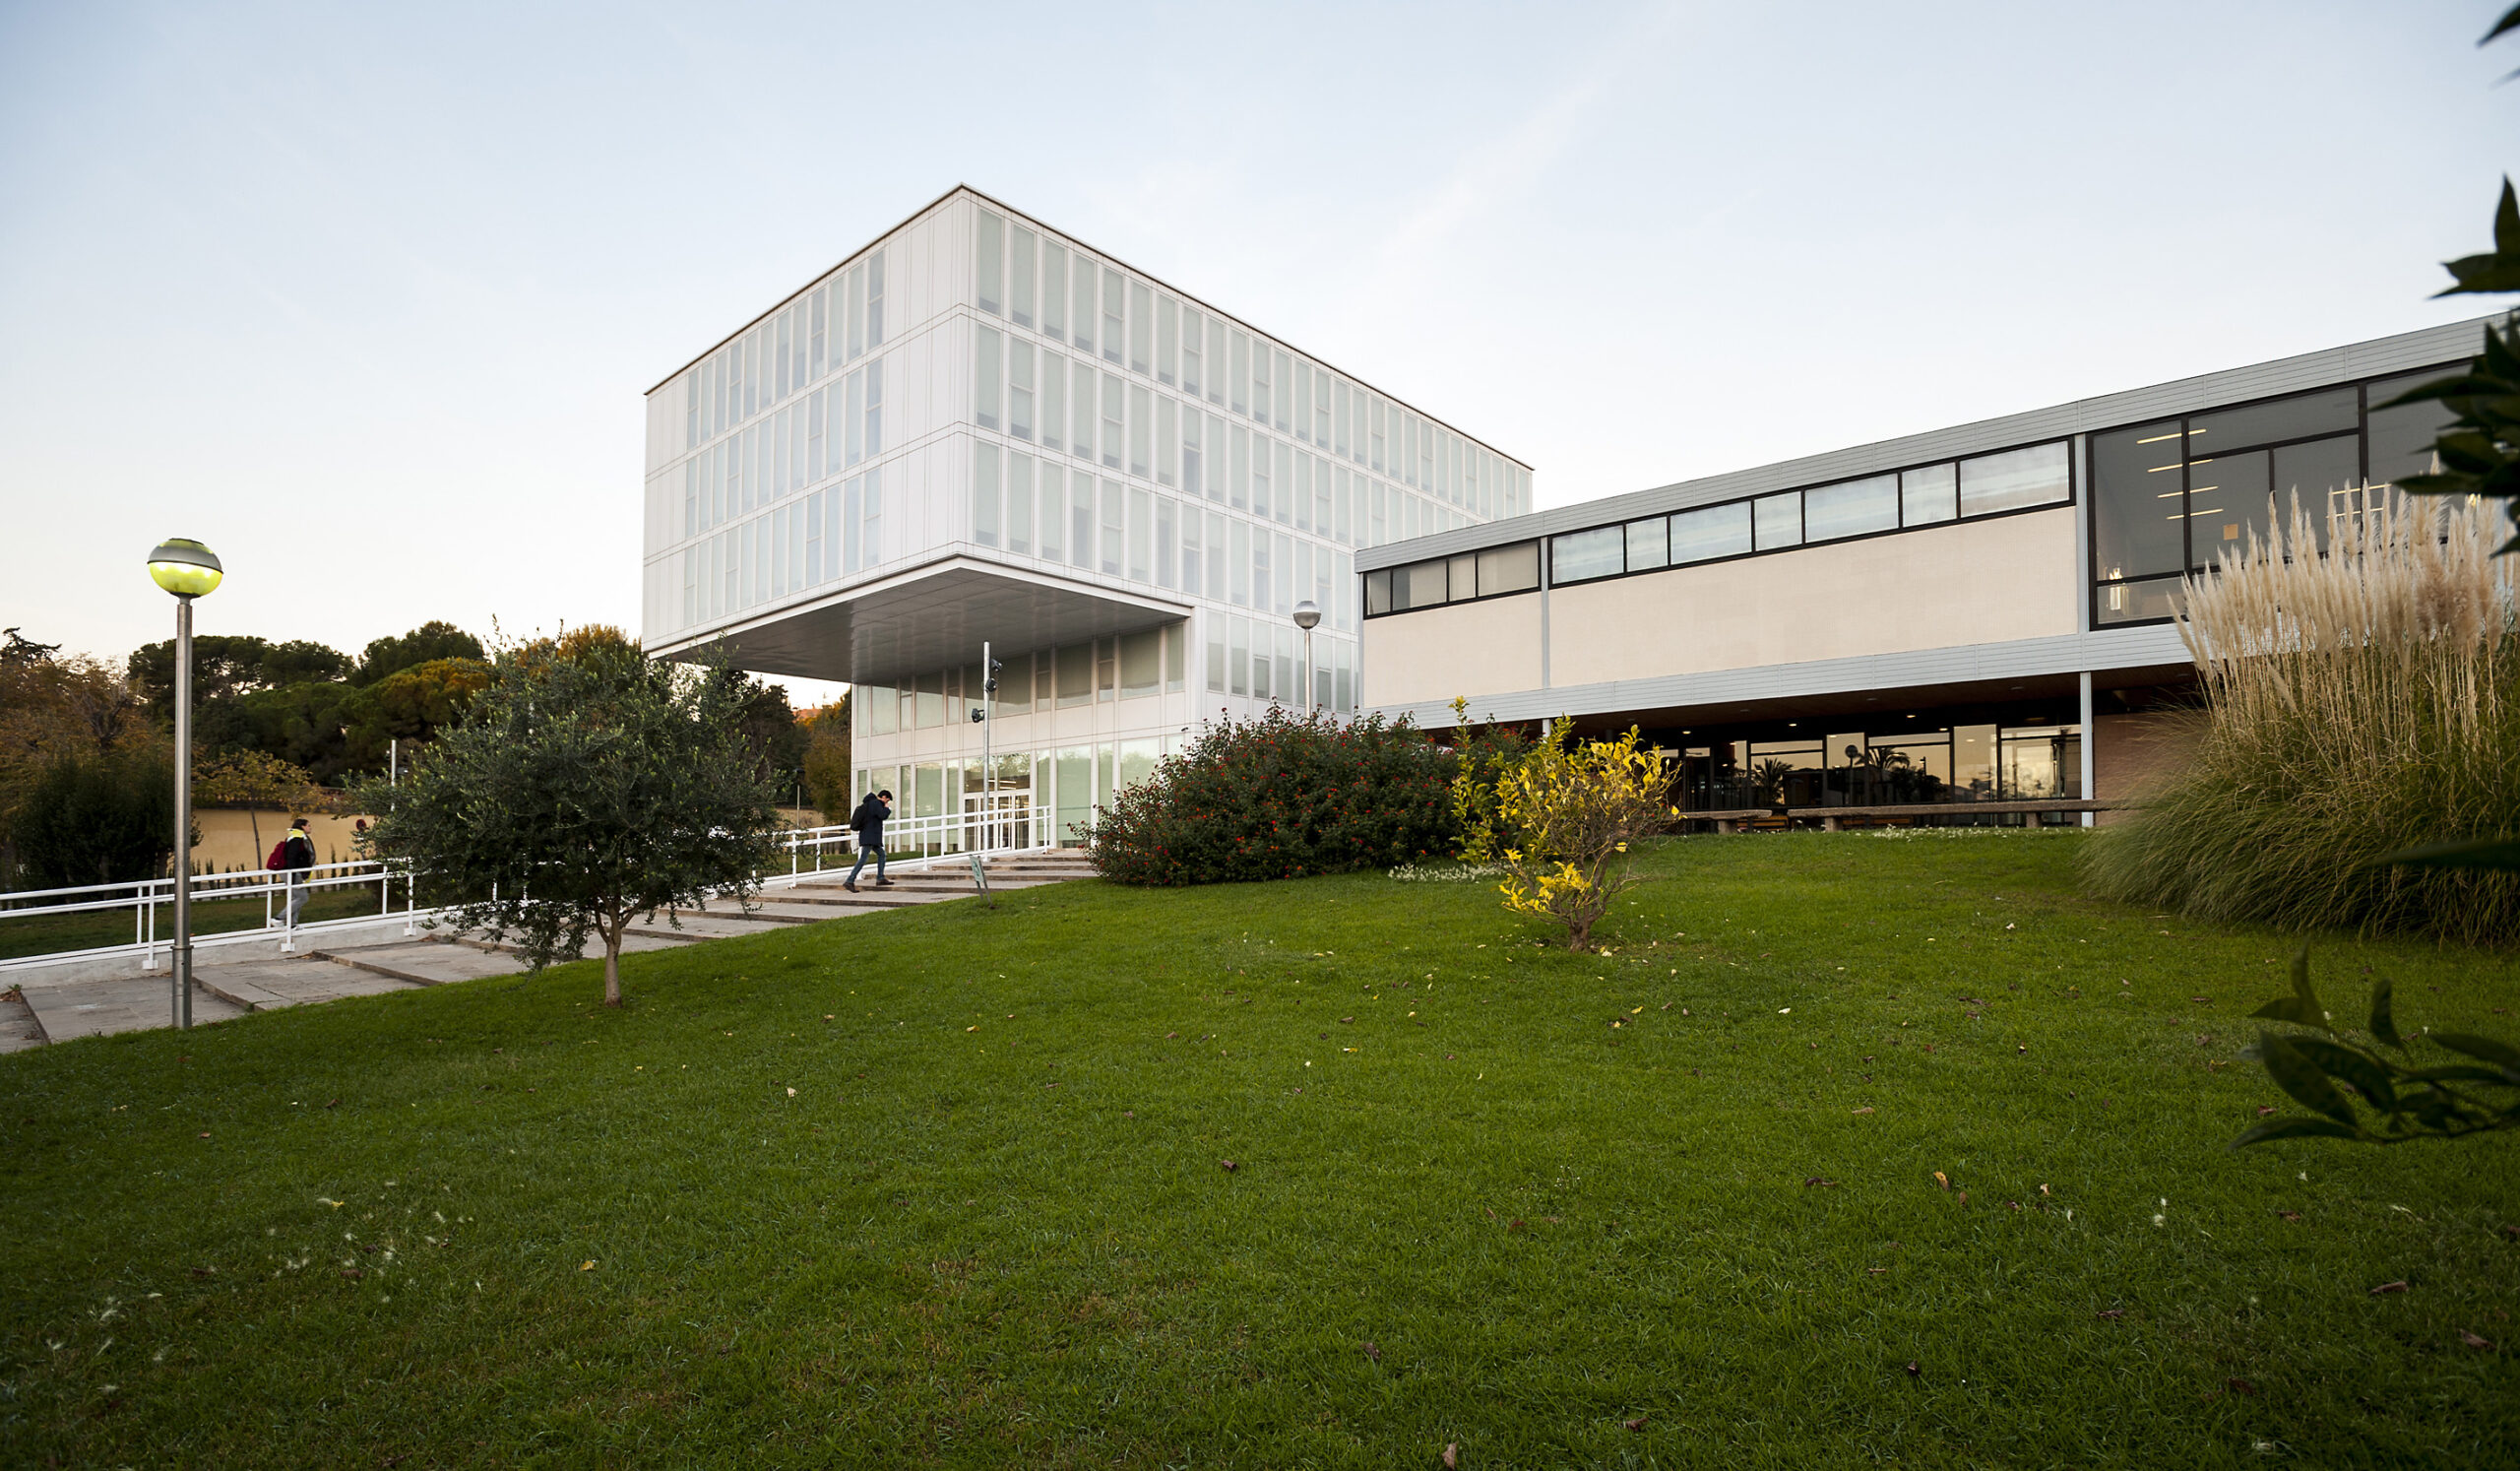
column 613, row 929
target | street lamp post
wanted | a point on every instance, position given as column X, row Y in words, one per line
column 187, row 569
column 1307, row 615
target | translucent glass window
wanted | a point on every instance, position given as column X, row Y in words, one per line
column 1081, row 276
column 1191, row 350
column 1019, row 503
column 1377, row 592
column 1851, row 509
column 1420, row 585
column 984, row 494
column 986, row 345
column 1020, row 266
column 1018, row 388
column 1777, row 521
column 1928, row 495
column 991, row 262
column 1112, row 328
column 2038, row 475
column 1649, row 543
column 1579, row 555
column 1141, row 430
column 1509, row 569
column 1055, row 290
column 1709, row 533
column 1141, row 329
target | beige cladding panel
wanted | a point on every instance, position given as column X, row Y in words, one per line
column 1971, row 582
column 1464, row 649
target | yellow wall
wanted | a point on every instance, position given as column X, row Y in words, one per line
column 229, row 836
column 1468, row 649
column 1968, row 582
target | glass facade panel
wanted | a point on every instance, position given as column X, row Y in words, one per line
column 1777, row 521
column 2037, row 475
column 1649, row 543
column 1715, row 531
column 2323, row 476
column 1508, row 569
column 2227, row 500
column 1580, row 555
column 2332, row 411
column 2137, row 517
column 1420, row 585
column 1928, row 495
column 2135, row 602
column 1852, row 509
column 2401, row 437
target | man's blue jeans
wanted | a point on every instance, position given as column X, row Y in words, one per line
column 877, row 849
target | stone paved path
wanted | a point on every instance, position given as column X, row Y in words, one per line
column 36, row 1015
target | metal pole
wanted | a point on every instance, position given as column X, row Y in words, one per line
column 989, row 766
column 183, row 949
column 1307, row 671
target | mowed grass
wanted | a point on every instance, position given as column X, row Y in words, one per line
column 496, row 1225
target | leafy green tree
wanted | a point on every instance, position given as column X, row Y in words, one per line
column 434, row 640
column 826, row 760
column 106, row 817
column 579, row 792
column 410, row 705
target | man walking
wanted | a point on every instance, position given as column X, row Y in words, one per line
column 868, row 821
column 298, row 856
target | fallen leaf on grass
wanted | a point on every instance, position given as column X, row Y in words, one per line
column 1912, row 1370
column 1372, row 1352
column 352, row 1273
column 2242, row 1386
column 587, row 1267
column 2288, row 1215
column 335, row 1104
column 205, row 1133
column 1964, row 1198
column 1452, row 1455
column 2388, row 1287
column 2473, row 1341
column 1228, row 1166
column 2113, row 1313
column 1875, row 1271
column 1637, row 1425
column 1942, row 1180
column 1826, row 1184
column 1866, row 1109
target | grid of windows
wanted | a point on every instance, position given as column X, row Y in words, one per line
column 1992, row 484
column 2172, row 496
column 1306, row 458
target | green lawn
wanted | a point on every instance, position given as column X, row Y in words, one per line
column 44, row 934
column 495, row 1225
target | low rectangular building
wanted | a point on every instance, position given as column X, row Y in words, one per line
column 1977, row 614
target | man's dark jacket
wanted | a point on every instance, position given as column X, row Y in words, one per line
column 868, row 822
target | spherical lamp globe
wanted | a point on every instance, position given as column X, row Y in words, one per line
column 185, row 568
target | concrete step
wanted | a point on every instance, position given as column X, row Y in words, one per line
column 271, row 985
column 426, row 962
column 714, row 924
column 631, row 944
column 837, row 902
column 97, row 1008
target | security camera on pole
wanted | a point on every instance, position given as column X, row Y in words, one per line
column 187, row 569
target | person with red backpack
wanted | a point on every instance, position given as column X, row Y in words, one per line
column 293, row 855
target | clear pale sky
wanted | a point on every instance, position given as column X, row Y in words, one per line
column 366, row 297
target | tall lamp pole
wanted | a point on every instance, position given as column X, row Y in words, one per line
column 1307, row 617
column 187, row 569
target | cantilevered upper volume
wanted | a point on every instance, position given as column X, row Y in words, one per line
column 979, row 429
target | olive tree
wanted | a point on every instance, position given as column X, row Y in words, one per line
column 584, row 787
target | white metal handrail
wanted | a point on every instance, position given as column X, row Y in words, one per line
column 144, row 897
column 920, row 841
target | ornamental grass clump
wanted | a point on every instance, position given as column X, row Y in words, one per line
column 2359, row 701
column 1281, row 797
column 1565, row 815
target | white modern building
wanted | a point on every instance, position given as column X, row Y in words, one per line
column 978, row 430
